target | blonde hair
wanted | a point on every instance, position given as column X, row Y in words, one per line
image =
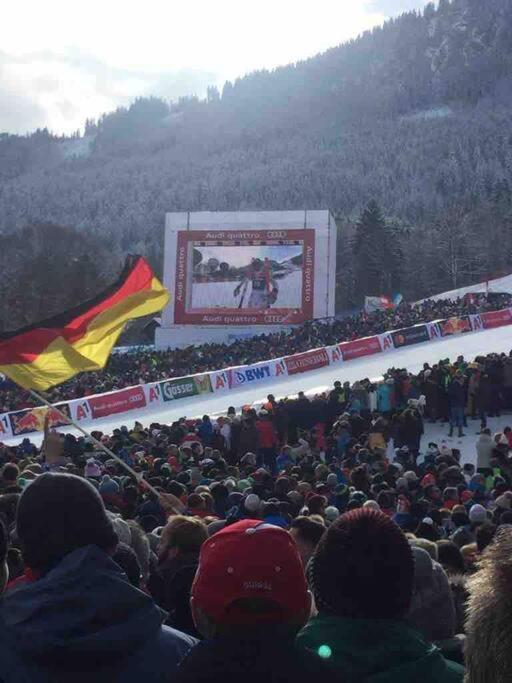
column 187, row 534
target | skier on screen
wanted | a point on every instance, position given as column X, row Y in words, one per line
column 264, row 288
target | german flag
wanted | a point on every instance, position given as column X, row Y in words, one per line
column 44, row 354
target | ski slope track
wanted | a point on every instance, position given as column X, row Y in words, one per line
column 500, row 284
column 412, row 358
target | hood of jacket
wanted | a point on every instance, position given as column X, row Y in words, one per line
column 84, row 611
column 377, row 651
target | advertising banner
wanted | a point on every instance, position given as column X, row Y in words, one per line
column 360, row 347
column 5, row 427
column 246, row 277
column 184, row 387
column 334, row 354
column 496, row 318
column 32, row 419
column 122, row 401
column 434, row 332
column 410, row 335
column 258, row 372
column 219, row 380
column 153, row 393
column 453, row 326
column 386, row 342
column 304, row 362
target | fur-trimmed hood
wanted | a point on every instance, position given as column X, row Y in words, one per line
column 489, row 615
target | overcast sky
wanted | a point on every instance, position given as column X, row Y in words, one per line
column 62, row 61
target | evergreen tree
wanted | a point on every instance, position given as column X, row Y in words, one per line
column 375, row 258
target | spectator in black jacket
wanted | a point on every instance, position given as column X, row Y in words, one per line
column 178, row 557
column 457, row 401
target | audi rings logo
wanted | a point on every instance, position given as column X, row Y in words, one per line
column 277, row 234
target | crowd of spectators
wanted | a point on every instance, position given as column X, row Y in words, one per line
column 142, row 366
column 310, row 537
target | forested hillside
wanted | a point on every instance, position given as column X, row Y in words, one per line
column 415, row 115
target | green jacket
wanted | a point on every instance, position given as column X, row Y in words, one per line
column 377, row 651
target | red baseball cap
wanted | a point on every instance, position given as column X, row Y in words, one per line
column 250, row 559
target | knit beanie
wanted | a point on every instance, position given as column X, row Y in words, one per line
column 503, row 502
column 331, row 513
column 92, row 469
column 252, row 503
column 108, row 487
column 57, row 514
column 478, row 514
column 362, row 568
column 332, row 480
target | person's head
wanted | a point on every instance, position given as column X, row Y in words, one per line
column 307, row 534
column 60, row 513
column 488, row 647
column 363, row 568
column 127, row 559
column 316, row 504
column 196, row 502
column 250, row 575
column 10, row 473
column 485, row 535
column 181, row 535
column 478, row 514
column 428, row 546
column 450, row 557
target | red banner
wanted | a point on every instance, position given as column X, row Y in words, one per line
column 496, row 318
column 117, row 402
column 360, row 347
column 303, row 362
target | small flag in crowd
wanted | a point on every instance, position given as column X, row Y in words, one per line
column 47, row 353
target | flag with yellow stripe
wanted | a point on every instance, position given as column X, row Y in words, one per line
column 50, row 352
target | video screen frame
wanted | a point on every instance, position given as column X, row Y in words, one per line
column 253, row 310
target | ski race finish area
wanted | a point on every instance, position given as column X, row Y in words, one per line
column 211, row 392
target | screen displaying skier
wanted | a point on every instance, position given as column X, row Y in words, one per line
column 266, row 277
column 247, row 276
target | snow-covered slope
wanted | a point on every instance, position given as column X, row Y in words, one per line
column 411, row 357
column 501, row 284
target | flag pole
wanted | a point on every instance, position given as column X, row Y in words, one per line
column 98, row 444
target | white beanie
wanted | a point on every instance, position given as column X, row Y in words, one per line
column 332, row 479
column 372, row 504
column 478, row 514
column 252, row 502
column 331, row 513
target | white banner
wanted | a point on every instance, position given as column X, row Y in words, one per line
column 386, row 342
column 334, row 353
column 258, row 372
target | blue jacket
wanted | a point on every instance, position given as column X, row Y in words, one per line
column 384, row 397
column 83, row 621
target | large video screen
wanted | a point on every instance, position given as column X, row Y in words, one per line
column 249, row 277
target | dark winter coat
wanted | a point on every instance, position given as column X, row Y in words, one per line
column 248, row 440
column 432, row 610
column 456, row 394
column 263, row 657
column 83, row 621
column 170, row 586
column 460, row 597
